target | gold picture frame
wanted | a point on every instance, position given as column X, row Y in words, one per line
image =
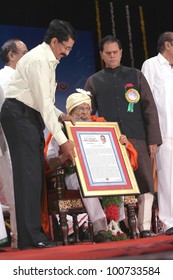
column 102, row 163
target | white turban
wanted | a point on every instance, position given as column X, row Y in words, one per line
column 75, row 99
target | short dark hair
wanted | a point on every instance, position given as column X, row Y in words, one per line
column 60, row 29
column 111, row 39
column 164, row 37
column 8, row 46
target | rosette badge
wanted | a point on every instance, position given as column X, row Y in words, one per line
column 132, row 96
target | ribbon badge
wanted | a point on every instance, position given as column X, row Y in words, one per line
column 132, row 96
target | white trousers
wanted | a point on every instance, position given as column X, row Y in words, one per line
column 121, row 210
column 81, row 218
column 145, row 203
column 164, row 164
column 92, row 204
column 6, row 188
column 3, row 233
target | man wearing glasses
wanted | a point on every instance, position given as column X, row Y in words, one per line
column 28, row 108
column 11, row 51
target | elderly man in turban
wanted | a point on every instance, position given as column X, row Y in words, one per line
column 78, row 105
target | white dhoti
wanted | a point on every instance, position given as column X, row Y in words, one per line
column 6, row 186
column 81, row 218
column 3, row 233
column 92, row 204
column 121, row 210
column 164, row 164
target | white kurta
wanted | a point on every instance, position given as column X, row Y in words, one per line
column 160, row 77
column 5, row 75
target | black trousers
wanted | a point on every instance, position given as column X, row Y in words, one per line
column 143, row 174
column 23, row 128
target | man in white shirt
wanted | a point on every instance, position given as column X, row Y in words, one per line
column 159, row 72
column 11, row 51
column 28, row 108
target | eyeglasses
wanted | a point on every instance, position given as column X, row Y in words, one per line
column 66, row 47
column 83, row 109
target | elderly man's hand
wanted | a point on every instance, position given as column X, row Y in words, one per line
column 123, row 139
column 68, row 149
column 62, row 118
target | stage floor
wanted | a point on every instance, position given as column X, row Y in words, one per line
column 158, row 247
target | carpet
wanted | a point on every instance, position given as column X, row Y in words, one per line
column 91, row 251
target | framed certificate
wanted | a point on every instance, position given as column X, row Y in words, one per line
column 102, row 163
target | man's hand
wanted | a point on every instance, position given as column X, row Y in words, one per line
column 153, row 149
column 68, row 149
column 62, row 118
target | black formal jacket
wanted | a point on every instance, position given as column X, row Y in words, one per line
column 108, row 88
column 141, row 126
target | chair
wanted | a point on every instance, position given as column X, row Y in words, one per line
column 64, row 202
column 132, row 209
column 131, row 204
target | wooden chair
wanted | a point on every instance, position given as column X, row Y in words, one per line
column 68, row 202
column 64, row 202
column 131, row 204
column 132, row 209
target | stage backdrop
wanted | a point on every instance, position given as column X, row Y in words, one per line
column 72, row 70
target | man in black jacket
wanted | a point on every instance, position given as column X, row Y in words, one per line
column 122, row 94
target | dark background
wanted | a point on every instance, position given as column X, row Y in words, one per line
column 158, row 17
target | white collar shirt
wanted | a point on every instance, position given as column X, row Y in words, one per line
column 34, row 84
column 159, row 74
column 5, row 74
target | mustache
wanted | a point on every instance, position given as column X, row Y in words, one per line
column 82, row 120
column 63, row 54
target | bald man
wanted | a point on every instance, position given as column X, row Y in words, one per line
column 11, row 52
